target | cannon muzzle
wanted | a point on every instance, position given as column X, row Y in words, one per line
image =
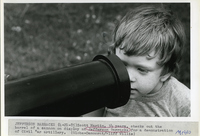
column 72, row 91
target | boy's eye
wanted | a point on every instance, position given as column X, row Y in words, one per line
column 143, row 71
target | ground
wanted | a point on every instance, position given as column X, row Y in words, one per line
column 44, row 37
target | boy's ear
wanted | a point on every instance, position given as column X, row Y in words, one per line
column 165, row 77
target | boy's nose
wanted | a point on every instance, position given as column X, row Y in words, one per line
column 132, row 77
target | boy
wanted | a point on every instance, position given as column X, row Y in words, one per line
column 149, row 40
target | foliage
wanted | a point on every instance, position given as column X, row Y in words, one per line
column 45, row 37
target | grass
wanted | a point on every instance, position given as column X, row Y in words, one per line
column 45, row 37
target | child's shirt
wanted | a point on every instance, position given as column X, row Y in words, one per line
column 173, row 100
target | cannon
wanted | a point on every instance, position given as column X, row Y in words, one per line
column 71, row 91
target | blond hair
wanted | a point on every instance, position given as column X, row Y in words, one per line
column 152, row 28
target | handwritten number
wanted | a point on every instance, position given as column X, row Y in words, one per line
column 185, row 132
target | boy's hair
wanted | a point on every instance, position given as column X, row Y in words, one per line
column 151, row 28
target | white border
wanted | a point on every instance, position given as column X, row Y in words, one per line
column 98, row 1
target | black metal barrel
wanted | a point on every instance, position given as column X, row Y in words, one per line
column 73, row 91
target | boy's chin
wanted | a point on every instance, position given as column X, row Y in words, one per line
column 134, row 94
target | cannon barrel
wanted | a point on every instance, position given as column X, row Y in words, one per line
column 72, row 91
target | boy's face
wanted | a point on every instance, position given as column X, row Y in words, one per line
column 144, row 73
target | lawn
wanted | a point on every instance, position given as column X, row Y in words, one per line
column 45, row 37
